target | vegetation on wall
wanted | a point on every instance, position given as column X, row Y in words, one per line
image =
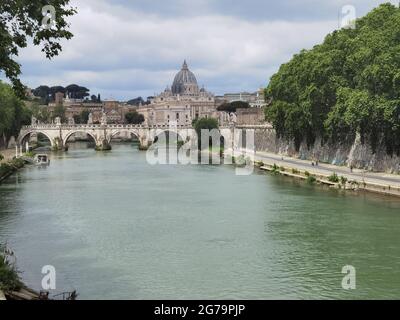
column 349, row 84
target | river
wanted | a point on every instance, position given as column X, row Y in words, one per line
column 115, row 227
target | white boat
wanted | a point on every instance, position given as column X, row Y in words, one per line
column 42, row 159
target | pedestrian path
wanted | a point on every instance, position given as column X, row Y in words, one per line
column 384, row 179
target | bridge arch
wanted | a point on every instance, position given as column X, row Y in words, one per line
column 130, row 132
column 69, row 134
column 136, row 134
column 26, row 134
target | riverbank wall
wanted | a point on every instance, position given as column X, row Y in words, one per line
column 353, row 153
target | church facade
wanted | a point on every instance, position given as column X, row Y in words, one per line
column 180, row 104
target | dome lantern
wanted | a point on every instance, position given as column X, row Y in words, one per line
column 185, row 82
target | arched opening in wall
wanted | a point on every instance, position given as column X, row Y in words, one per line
column 79, row 140
column 36, row 141
column 125, row 137
column 134, row 140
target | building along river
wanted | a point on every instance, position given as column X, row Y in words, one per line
column 114, row 227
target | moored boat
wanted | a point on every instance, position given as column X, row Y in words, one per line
column 41, row 159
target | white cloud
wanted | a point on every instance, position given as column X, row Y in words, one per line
column 125, row 53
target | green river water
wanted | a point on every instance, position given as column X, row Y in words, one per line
column 115, row 227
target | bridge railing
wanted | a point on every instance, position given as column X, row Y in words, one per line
column 99, row 126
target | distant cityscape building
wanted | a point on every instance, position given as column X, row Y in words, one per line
column 114, row 110
column 181, row 103
column 256, row 99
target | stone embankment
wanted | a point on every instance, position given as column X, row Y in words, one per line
column 334, row 176
column 354, row 153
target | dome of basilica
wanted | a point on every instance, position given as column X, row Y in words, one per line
column 185, row 82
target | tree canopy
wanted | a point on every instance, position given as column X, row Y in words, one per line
column 204, row 124
column 348, row 84
column 82, row 118
column 136, row 102
column 233, row 106
column 22, row 20
column 74, row 91
column 13, row 114
column 134, row 117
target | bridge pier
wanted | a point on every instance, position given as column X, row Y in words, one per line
column 57, row 144
column 103, row 145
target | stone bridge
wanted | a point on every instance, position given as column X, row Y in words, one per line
column 58, row 134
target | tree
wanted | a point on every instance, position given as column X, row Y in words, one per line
column 136, row 102
column 59, row 111
column 77, row 119
column 41, row 113
column 77, row 92
column 134, row 117
column 205, row 124
column 82, row 118
column 1, row 157
column 42, row 92
column 13, row 114
column 23, row 19
column 233, row 106
column 348, row 85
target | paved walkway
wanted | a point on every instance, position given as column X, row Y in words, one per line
column 328, row 169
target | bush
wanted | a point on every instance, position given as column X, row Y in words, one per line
column 307, row 174
column 30, row 154
column 343, row 180
column 282, row 169
column 17, row 163
column 9, row 279
column 275, row 168
column 311, row 179
column 240, row 161
column 295, row 171
column 333, row 178
column 4, row 169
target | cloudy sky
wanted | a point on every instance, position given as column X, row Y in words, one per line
column 128, row 48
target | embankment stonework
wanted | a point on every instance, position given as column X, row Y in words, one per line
column 356, row 154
